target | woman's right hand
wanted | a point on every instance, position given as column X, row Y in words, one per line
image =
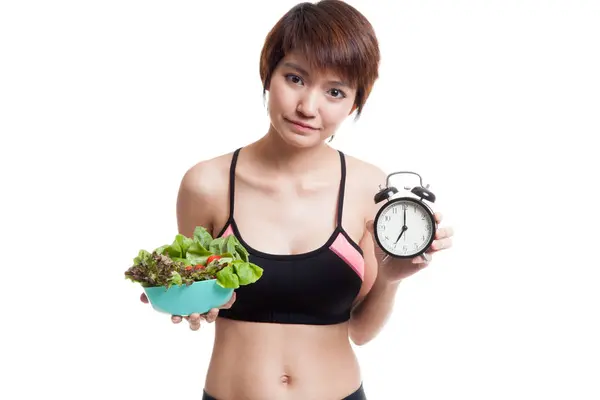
column 194, row 319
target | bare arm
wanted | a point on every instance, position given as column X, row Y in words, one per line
column 201, row 196
column 371, row 314
column 384, row 277
column 195, row 205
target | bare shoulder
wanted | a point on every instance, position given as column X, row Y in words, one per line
column 203, row 193
column 197, row 179
column 364, row 169
column 364, row 179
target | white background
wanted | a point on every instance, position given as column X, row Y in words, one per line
column 105, row 104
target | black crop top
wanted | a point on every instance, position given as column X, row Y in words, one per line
column 317, row 287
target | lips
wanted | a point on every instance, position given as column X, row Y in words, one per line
column 301, row 124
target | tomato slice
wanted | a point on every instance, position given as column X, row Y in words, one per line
column 212, row 258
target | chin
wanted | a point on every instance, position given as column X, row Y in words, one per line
column 298, row 139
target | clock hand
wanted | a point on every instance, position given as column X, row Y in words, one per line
column 404, row 228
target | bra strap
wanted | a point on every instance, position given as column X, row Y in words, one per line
column 232, row 181
column 340, row 207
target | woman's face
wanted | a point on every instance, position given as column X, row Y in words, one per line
column 307, row 107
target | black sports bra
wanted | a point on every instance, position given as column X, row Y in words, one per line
column 317, row 287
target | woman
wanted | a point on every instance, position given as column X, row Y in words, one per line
column 304, row 212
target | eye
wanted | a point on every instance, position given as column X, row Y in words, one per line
column 294, row 79
column 337, row 93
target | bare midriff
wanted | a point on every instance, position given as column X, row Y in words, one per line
column 263, row 361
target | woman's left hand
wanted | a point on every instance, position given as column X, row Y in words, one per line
column 395, row 269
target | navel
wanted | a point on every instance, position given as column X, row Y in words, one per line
column 285, row 379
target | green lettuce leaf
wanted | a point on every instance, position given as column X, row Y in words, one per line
column 218, row 246
column 143, row 257
column 247, row 272
column 175, row 279
column 197, row 254
column 202, row 237
column 161, row 249
column 227, row 278
column 241, row 251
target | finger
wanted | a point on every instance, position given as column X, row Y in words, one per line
column 420, row 262
column 444, row 232
column 176, row 319
column 194, row 318
column 424, row 258
column 420, row 266
column 144, row 298
column 417, row 260
column 194, row 325
column 438, row 217
column 211, row 316
column 441, row 244
column 370, row 226
column 230, row 302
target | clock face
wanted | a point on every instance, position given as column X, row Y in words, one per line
column 404, row 228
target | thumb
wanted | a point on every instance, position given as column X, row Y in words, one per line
column 370, row 226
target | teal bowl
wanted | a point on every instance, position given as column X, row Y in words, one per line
column 199, row 297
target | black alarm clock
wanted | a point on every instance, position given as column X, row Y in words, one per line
column 405, row 226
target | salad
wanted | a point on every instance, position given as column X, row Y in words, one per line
column 188, row 260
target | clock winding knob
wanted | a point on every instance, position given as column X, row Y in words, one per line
column 385, row 194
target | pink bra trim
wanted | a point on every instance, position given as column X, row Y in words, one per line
column 228, row 231
column 342, row 247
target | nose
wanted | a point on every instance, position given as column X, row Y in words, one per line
column 308, row 104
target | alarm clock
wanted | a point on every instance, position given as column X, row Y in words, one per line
column 404, row 226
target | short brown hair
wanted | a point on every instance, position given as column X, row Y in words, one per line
column 331, row 35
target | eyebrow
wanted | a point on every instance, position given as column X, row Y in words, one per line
column 305, row 72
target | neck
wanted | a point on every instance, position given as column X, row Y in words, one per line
column 276, row 154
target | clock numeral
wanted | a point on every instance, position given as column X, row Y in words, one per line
column 423, row 217
column 386, row 238
column 395, row 210
column 387, row 218
column 416, row 247
column 381, row 227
